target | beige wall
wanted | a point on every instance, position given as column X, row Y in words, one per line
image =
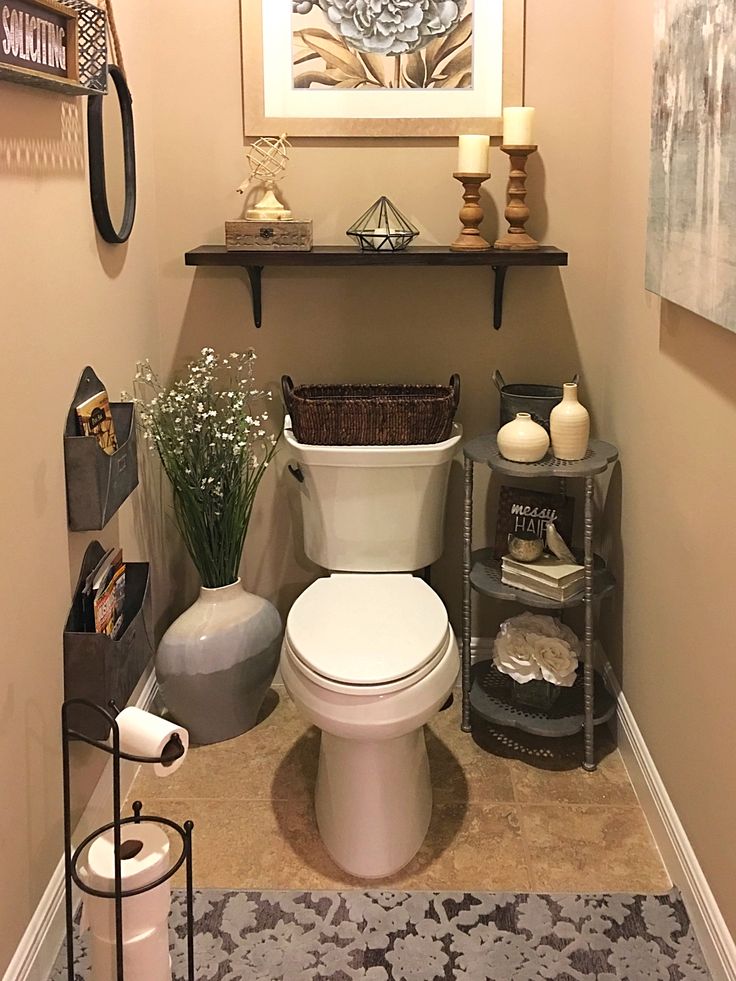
column 66, row 299
column 654, row 389
column 664, row 390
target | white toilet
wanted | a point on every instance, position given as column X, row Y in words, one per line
column 369, row 655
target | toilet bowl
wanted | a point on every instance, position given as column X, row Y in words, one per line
column 368, row 654
column 369, row 659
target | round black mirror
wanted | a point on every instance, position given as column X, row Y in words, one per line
column 120, row 178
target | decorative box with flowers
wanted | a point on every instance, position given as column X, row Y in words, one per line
column 540, row 654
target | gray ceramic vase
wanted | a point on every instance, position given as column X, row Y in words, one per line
column 216, row 662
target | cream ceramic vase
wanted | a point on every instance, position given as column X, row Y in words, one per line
column 523, row 440
column 569, row 425
column 216, row 662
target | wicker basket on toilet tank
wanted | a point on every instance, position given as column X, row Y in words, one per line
column 371, row 415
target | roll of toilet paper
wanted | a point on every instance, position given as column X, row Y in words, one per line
column 144, row 858
column 146, row 958
column 145, row 734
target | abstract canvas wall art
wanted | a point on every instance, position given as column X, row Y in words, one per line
column 691, row 250
column 380, row 67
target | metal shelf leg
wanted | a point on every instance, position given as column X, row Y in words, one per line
column 467, row 592
column 588, row 673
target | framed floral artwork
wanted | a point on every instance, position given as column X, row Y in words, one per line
column 381, row 68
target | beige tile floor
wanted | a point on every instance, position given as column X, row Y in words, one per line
column 499, row 822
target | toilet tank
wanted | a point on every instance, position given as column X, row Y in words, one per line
column 373, row 508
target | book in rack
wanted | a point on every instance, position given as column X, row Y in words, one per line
column 95, row 419
column 103, row 595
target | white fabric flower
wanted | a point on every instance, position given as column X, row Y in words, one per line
column 555, row 659
column 390, row 27
column 530, row 647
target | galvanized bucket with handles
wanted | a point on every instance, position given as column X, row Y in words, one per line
column 537, row 400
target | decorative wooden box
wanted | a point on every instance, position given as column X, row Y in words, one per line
column 268, row 236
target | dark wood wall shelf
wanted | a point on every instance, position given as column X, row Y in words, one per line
column 345, row 255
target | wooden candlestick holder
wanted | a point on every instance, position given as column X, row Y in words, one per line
column 471, row 215
column 517, row 212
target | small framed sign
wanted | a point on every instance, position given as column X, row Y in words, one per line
column 39, row 44
column 531, row 511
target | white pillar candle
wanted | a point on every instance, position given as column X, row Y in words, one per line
column 518, row 125
column 473, row 153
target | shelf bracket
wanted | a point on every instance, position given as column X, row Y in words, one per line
column 254, row 275
column 500, row 282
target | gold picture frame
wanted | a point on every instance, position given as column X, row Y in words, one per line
column 268, row 95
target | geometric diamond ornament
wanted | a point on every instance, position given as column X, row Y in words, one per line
column 92, row 54
column 383, row 228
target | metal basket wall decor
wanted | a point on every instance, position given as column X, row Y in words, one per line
column 92, row 44
column 383, row 228
column 537, row 400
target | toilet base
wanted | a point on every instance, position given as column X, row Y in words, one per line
column 373, row 801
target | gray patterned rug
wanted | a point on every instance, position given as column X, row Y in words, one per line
column 424, row 936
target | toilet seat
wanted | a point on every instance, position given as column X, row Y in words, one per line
column 352, row 632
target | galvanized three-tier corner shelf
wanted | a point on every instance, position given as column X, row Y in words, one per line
column 487, row 693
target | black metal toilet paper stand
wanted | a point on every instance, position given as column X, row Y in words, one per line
column 82, row 707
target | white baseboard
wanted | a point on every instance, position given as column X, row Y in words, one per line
column 677, row 853
column 39, row 946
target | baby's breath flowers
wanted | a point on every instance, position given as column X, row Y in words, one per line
column 212, row 431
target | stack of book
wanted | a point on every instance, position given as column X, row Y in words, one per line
column 548, row 576
column 103, row 595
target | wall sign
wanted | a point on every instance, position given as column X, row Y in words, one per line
column 522, row 510
column 39, row 44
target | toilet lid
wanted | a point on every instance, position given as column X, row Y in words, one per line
column 367, row 629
